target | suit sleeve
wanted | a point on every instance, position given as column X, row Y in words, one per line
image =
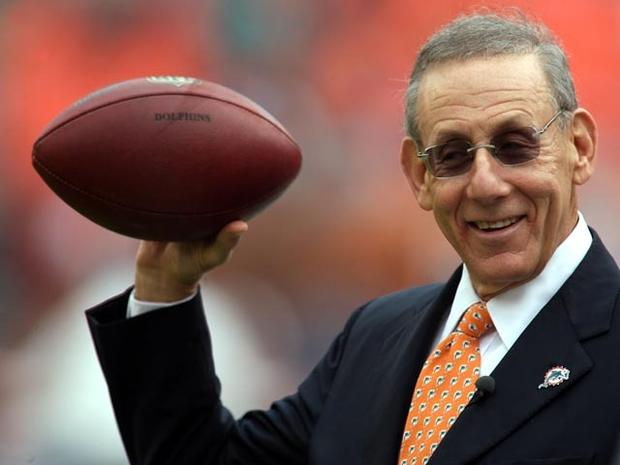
column 166, row 395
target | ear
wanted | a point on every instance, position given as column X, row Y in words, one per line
column 585, row 136
column 415, row 171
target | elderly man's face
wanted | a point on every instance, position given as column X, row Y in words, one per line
column 504, row 221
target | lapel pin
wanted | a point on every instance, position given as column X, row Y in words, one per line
column 554, row 376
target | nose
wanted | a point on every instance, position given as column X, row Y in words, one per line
column 486, row 181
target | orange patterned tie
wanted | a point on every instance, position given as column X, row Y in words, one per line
column 445, row 385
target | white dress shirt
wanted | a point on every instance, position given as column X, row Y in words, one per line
column 514, row 309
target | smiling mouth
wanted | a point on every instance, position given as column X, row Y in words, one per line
column 495, row 225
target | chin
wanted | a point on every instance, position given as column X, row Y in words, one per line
column 494, row 276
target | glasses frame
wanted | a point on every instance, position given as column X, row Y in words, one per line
column 425, row 154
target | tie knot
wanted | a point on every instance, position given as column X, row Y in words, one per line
column 476, row 321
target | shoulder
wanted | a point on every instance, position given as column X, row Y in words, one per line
column 411, row 300
column 391, row 311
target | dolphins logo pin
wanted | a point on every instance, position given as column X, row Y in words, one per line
column 555, row 376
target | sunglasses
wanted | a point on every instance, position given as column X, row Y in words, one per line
column 513, row 147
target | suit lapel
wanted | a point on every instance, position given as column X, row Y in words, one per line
column 395, row 371
column 582, row 309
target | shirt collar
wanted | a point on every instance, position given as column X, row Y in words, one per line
column 514, row 309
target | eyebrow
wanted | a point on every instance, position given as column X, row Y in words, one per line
column 507, row 125
column 447, row 136
column 511, row 124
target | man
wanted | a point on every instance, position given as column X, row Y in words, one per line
column 496, row 147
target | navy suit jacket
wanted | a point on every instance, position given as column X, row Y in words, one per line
column 352, row 407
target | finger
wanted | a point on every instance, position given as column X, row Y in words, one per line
column 224, row 243
column 229, row 236
column 235, row 227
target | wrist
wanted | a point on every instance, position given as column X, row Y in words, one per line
column 150, row 288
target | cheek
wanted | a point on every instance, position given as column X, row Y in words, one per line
column 446, row 202
column 557, row 161
column 553, row 183
column 549, row 194
column 547, row 180
column 440, row 196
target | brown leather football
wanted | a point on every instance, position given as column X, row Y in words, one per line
column 166, row 158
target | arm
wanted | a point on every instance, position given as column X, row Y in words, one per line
column 161, row 378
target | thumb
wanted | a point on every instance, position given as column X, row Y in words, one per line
column 220, row 250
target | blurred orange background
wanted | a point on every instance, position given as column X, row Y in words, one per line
column 334, row 73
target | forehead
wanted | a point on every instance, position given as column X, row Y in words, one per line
column 477, row 94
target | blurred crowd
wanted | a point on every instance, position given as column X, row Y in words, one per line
column 334, row 73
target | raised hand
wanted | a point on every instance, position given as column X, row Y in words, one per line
column 170, row 271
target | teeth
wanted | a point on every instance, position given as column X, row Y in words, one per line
column 496, row 224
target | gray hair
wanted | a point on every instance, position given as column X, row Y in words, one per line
column 488, row 35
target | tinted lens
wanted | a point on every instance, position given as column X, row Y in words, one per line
column 450, row 159
column 516, row 147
